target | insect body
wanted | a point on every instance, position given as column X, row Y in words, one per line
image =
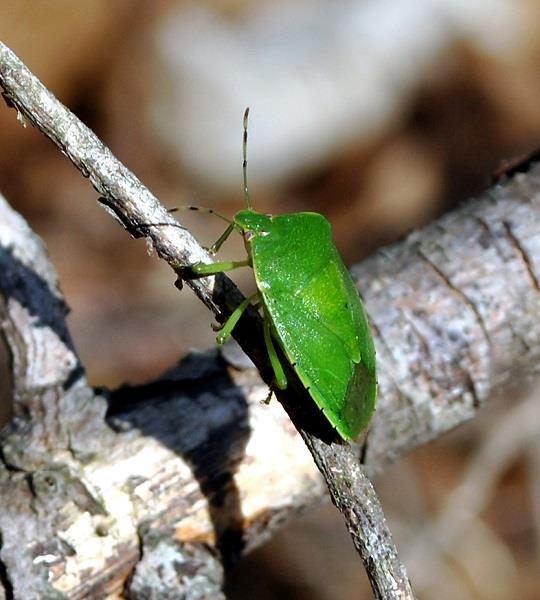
column 311, row 309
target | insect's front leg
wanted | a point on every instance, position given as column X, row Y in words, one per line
column 198, row 270
column 204, row 269
column 221, row 240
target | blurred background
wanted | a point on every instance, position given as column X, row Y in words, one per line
column 380, row 114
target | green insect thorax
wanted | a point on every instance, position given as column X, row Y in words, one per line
column 251, row 220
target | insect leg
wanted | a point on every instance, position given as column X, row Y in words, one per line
column 271, row 390
column 222, row 238
column 280, row 380
column 203, row 269
column 231, row 322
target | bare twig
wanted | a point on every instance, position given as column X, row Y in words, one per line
column 135, row 207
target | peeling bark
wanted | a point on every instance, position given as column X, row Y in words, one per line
column 169, row 570
column 456, row 309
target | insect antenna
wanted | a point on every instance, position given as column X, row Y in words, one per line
column 244, row 164
column 223, row 237
column 210, row 211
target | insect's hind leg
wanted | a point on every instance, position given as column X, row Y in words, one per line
column 280, row 380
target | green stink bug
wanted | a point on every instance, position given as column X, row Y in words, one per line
column 311, row 308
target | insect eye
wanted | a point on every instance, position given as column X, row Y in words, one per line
column 249, row 235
